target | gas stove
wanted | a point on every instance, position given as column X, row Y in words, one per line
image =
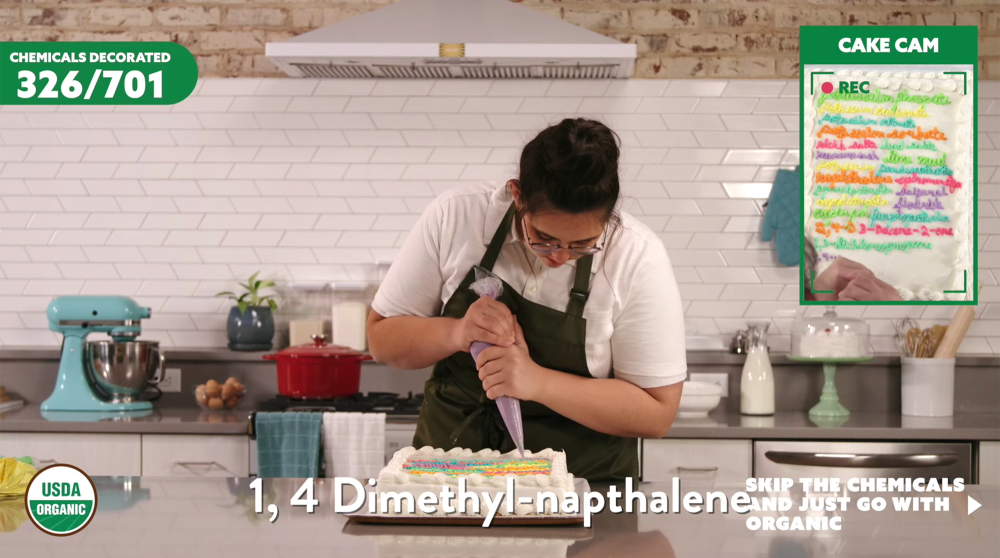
column 392, row 404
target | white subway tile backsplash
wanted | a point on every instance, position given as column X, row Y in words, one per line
column 460, row 122
column 375, row 138
column 728, row 275
column 666, row 139
column 227, row 255
column 786, row 140
column 375, row 104
column 694, row 122
column 228, row 221
column 396, row 121
column 430, row 105
column 667, row 106
column 753, row 122
column 655, row 206
column 296, row 221
column 726, row 139
column 492, row 104
column 173, row 204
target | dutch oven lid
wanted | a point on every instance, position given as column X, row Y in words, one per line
column 317, row 349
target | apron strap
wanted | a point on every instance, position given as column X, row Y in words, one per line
column 581, row 287
column 499, row 237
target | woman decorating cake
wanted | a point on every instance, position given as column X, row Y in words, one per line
column 588, row 332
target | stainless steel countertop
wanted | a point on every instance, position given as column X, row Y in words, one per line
column 181, row 354
column 214, row 517
column 191, row 420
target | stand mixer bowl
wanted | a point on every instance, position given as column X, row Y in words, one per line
column 122, row 370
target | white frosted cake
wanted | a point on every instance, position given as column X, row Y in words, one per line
column 417, row 471
column 825, row 344
column 888, row 175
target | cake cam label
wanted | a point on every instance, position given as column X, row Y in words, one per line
column 61, row 500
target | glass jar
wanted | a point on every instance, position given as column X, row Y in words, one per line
column 830, row 337
column 350, row 305
column 757, row 380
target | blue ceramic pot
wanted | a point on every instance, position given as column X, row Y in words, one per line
column 251, row 330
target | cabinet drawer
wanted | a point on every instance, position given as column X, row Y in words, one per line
column 698, row 461
column 989, row 463
column 195, row 456
column 96, row 454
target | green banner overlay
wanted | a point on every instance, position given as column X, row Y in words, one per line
column 889, row 45
column 95, row 73
column 61, row 516
column 887, row 153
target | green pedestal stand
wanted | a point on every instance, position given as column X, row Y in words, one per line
column 829, row 406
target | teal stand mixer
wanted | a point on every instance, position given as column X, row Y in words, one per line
column 106, row 375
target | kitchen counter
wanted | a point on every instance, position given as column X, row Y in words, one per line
column 166, row 420
column 214, row 517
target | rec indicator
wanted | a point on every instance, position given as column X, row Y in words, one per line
column 157, row 73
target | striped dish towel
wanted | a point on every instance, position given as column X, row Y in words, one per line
column 354, row 444
column 288, row 444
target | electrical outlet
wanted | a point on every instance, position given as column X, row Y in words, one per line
column 720, row 378
column 171, row 382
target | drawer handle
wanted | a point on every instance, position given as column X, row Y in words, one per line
column 697, row 469
column 189, row 464
column 859, row 461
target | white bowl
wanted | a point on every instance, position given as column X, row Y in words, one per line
column 698, row 398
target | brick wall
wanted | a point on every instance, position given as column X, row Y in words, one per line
column 676, row 39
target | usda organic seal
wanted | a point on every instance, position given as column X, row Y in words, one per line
column 61, row 500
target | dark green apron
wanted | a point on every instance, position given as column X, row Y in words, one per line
column 457, row 413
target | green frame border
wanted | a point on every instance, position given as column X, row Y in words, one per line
column 964, row 42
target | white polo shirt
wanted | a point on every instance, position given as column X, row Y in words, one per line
column 635, row 322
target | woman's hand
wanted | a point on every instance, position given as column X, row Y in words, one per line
column 510, row 371
column 836, row 277
column 486, row 320
column 866, row 288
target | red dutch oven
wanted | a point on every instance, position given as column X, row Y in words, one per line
column 318, row 371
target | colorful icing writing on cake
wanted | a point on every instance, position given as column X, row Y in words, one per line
column 888, row 171
column 484, row 467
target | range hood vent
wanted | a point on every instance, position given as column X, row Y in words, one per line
column 453, row 39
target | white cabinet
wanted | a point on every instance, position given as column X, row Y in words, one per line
column 697, row 461
column 989, row 463
column 96, row 454
column 169, row 455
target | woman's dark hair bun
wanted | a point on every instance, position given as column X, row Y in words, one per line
column 571, row 167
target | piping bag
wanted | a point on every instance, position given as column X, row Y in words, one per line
column 488, row 284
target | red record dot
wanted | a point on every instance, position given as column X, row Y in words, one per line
column 827, row 87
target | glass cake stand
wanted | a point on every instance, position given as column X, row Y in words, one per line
column 830, row 340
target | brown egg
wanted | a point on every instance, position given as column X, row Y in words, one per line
column 228, row 391
column 200, row 396
column 240, row 388
column 211, row 383
column 232, row 380
column 231, row 402
column 213, row 391
column 215, row 403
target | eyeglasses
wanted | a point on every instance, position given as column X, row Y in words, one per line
column 548, row 249
column 544, row 248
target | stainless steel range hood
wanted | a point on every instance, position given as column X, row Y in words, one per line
column 437, row 39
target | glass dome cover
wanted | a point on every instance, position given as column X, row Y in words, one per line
column 830, row 337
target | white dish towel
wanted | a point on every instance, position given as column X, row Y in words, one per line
column 354, row 444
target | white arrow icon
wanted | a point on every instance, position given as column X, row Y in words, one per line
column 973, row 505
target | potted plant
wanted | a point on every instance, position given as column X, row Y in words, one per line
column 251, row 322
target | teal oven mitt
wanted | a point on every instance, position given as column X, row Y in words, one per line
column 782, row 219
